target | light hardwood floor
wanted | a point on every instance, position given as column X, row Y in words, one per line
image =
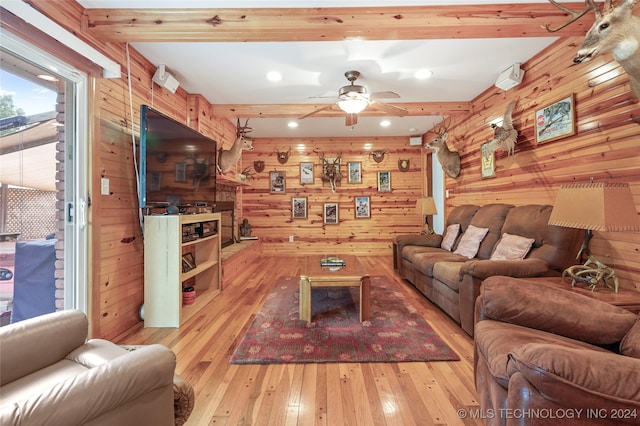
column 412, row 393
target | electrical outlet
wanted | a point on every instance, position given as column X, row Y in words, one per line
column 104, row 186
column 291, row 238
column 446, row 193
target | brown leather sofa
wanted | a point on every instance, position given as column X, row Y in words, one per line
column 452, row 281
column 547, row 356
column 50, row 374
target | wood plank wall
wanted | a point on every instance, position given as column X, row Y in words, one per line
column 392, row 213
column 606, row 147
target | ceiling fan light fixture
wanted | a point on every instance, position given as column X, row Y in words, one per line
column 353, row 105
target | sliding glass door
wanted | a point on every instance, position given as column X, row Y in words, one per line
column 43, row 183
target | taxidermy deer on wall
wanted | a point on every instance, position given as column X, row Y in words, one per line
column 505, row 136
column 616, row 30
column 331, row 171
column 229, row 157
column 450, row 160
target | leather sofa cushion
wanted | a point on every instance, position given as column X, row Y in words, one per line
column 541, row 306
column 551, row 242
column 423, row 262
column 462, row 215
column 584, row 377
column 40, row 381
column 495, row 340
column 630, row 345
column 448, row 273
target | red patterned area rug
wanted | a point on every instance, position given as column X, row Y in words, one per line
column 395, row 333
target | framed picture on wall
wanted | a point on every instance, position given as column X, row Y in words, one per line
column 354, row 169
column 362, row 207
column 330, row 213
column 488, row 161
column 384, row 181
column 181, row 172
column 298, row 207
column 306, row 173
column 277, row 182
column 555, row 121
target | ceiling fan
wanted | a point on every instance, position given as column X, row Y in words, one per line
column 354, row 98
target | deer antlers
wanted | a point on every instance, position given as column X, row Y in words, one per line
column 590, row 5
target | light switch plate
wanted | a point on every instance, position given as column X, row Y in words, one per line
column 104, row 186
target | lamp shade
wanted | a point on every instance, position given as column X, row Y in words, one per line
column 595, row 206
column 426, row 206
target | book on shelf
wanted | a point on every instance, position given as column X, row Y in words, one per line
column 332, row 261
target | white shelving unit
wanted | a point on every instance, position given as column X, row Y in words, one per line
column 163, row 276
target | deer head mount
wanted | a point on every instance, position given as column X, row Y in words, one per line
column 331, row 171
column 450, row 160
column 505, row 137
column 403, row 165
column 378, row 155
column 283, row 156
column 229, row 157
column 615, row 30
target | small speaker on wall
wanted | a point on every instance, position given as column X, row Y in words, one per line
column 165, row 79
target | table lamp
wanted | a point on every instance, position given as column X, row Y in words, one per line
column 426, row 207
column 606, row 207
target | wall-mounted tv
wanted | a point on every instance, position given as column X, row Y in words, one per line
column 177, row 164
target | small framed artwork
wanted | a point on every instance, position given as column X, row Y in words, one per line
column 354, row 168
column 298, row 207
column 555, row 121
column 488, row 161
column 330, row 213
column 306, row 173
column 155, row 181
column 181, row 172
column 362, row 207
column 277, row 182
column 384, row 181
column 188, row 262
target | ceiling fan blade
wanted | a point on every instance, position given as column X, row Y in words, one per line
column 389, row 109
column 315, row 111
column 351, row 120
column 384, row 95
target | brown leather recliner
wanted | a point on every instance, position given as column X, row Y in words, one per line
column 50, row 374
column 548, row 356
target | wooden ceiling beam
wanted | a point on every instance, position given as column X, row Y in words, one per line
column 331, row 24
column 414, row 109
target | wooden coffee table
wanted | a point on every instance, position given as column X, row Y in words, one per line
column 351, row 275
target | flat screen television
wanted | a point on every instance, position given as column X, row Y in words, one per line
column 177, row 164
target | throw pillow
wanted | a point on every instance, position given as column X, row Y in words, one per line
column 630, row 344
column 450, row 236
column 512, row 247
column 470, row 241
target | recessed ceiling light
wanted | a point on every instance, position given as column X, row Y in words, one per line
column 413, row 129
column 385, row 123
column 292, row 124
column 47, row 77
column 423, row 74
column 274, row 76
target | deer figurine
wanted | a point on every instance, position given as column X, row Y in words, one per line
column 450, row 160
column 229, row 157
column 615, row 30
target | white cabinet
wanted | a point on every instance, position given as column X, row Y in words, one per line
column 167, row 238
